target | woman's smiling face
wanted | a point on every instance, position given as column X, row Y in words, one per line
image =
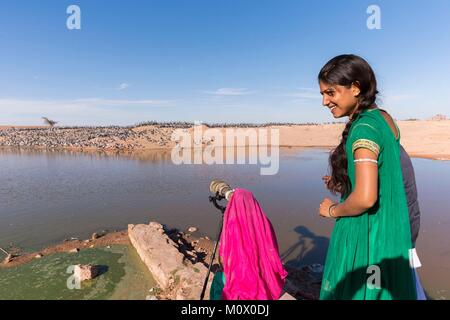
column 341, row 100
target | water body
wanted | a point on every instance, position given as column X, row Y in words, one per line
column 48, row 196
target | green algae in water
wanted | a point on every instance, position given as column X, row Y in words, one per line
column 123, row 276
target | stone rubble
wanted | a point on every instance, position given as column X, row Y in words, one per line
column 107, row 138
column 85, row 272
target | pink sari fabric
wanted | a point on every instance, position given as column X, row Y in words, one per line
column 249, row 252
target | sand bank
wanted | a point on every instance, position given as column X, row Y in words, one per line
column 421, row 138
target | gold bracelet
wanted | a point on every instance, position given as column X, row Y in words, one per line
column 329, row 210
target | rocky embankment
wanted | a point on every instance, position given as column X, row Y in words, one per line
column 178, row 261
column 103, row 138
column 425, row 139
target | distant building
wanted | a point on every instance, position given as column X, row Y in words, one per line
column 439, row 117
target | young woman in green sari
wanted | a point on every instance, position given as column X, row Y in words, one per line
column 368, row 255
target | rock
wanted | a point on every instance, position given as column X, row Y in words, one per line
column 161, row 257
column 85, row 272
column 192, row 229
column 38, row 256
column 74, row 250
column 167, row 264
column 304, row 282
column 95, row 236
column 8, row 258
column 156, row 225
column 151, row 297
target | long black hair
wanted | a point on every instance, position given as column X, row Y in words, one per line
column 345, row 70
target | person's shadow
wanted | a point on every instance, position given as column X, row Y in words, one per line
column 310, row 248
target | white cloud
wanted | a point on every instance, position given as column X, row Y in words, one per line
column 230, row 92
column 123, row 86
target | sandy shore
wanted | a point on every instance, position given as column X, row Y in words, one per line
column 421, row 138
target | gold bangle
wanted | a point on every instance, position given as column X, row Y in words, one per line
column 329, row 210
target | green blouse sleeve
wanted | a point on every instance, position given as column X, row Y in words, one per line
column 365, row 135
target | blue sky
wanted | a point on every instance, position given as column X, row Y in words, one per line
column 213, row 60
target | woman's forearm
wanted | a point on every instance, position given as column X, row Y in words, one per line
column 352, row 206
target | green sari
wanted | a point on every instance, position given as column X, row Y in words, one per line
column 217, row 285
column 368, row 255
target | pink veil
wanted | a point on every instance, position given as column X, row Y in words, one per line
column 249, row 252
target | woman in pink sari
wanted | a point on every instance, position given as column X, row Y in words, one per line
column 251, row 262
